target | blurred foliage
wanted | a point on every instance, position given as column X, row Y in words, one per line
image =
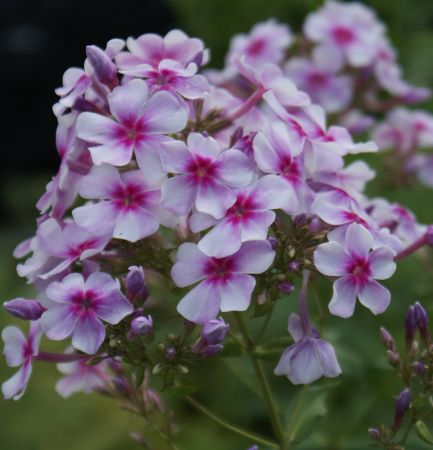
column 339, row 411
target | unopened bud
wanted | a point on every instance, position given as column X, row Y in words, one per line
column 141, row 326
column 419, row 368
column 293, row 266
column 135, row 283
column 393, row 358
column 105, row 69
column 211, row 350
column 429, row 235
column 214, row 331
column 387, row 339
column 410, row 325
column 402, row 405
column 183, row 369
column 157, row 369
column 286, row 287
column 171, row 353
column 374, row 434
column 421, row 318
column 24, row 309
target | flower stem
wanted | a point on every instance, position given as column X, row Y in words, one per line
column 245, row 433
column 58, row 357
column 264, row 383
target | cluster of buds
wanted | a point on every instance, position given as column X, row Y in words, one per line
column 213, row 191
column 413, row 365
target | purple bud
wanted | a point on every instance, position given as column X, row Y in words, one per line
column 421, row 318
column 315, row 225
column 393, row 358
column 286, row 287
column 170, row 353
column 105, row 69
column 24, row 309
column 214, row 331
column 293, row 266
column 135, row 283
column 254, row 447
column 419, row 368
column 374, row 434
column 387, row 339
column 121, row 385
column 211, row 350
column 402, row 404
column 273, row 241
column 410, row 325
column 141, row 326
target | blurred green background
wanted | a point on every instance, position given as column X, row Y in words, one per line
column 361, row 397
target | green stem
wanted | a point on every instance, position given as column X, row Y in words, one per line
column 245, row 433
column 264, row 383
column 264, row 326
column 294, row 423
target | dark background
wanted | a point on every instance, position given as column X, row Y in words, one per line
column 39, row 40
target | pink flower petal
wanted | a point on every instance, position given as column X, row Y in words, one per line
column 59, row 322
column 358, row 240
column 164, row 114
column 96, row 128
column 382, row 263
column 115, row 153
column 234, row 168
column 189, row 266
column 223, row 240
column 96, row 218
column 100, row 182
column 15, row 386
column 207, row 147
column 177, row 194
column 15, row 343
column 374, row 297
column 201, row 303
column 214, row 198
column 64, row 292
column 236, row 293
column 254, row 257
column 133, row 225
column 343, row 299
column 89, row 334
column 127, row 101
column 175, row 156
column 331, row 259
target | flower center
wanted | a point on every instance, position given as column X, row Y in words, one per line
column 129, row 197
column 343, row 35
column 360, row 270
column 219, row 270
column 318, row 79
column 256, row 47
column 289, row 168
column 202, row 168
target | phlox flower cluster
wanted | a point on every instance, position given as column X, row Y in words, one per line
column 228, row 185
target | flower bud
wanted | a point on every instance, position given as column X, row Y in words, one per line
column 286, row 287
column 211, row 350
column 141, row 326
column 419, row 368
column 393, row 358
column 410, row 325
column 374, row 434
column 293, row 266
column 387, row 339
column 402, row 405
column 170, row 353
column 214, row 331
column 105, row 69
column 24, row 309
column 421, row 318
column 135, row 283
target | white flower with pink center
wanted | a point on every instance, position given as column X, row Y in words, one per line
column 79, row 307
column 150, row 49
column 69, row 244
column 19, row 352
column 277, row 151
column 204, row 175
column 225, row 284
column 247, row 220
column 129, row 207
column 139, row 122
column 266, row 42
column 349, row 28
column 357, row 269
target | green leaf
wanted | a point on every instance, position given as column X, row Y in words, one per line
column 185, row 388
column 230, row 350
column 423, row 432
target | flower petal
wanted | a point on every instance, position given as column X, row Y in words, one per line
column 190, row 265
column 223, row 240
column 358, row 240
column 134, row 224
column 89, row 334
column 374, row 296
column 343, row 299
column 59, row 322
column 214, row 198
column 177, row 194
column 253, row 257
column 382, row 263
column 236, row 293
column 234, row 168
column 331, row 259
column 127, row 101
column 201, row 303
